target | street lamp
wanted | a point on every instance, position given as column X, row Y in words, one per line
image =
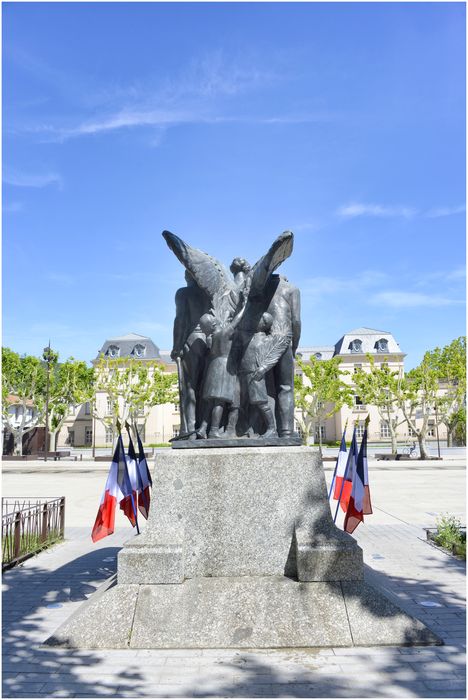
column 47, row 356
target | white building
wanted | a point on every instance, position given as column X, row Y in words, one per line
column 163, row 421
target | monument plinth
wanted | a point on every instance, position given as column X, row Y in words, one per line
column 240, row 550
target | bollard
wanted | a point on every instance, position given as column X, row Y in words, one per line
column 44, row 523
column 81, row 457
column 62, row 516
column 17, row 535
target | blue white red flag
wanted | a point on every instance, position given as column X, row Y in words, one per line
column 139, row 485
column 359, row 501
column 144, row 502
column 348, row 478
column 340, row 467
column 117, row 490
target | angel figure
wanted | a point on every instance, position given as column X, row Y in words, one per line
column 221, row 387
column 261, row 355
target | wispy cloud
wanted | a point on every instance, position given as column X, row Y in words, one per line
column 18, row 179
column 399, row 300
column 321, row 287
column 203, row 92
column 357, row 209
column 444, row 211
column 62, row 278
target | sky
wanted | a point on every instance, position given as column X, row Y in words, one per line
column 228, row 123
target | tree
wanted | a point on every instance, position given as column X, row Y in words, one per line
column 381, row 387
column 71, row 383
column 450, row 366
column 24, row 377
column 321, row 395
column 419, row 396
column 133, row 387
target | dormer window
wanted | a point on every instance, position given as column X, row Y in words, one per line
column 139, row 351
column 318, row 355
column 113, row 351
column 356, row 345
column 381, row 345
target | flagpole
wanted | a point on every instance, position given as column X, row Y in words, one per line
column 336, row 465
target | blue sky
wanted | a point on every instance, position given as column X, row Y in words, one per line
column 227, row 124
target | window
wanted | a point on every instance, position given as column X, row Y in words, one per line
column 88, row 438
column 384, row 429
column 322, row 432
column 71, row 438
column 113, row 351
column 176, row 408
column 411, row 432
column 318, row 355
column 431, row 429
column 110, row 406
column 109, row 436
column 358, row 404
column 175, row 431
column 319, row 405
column 381, row 345
column 357, row 368
column 139, row 351
column 72, row 410
column 356, row 345
column 360, row 427
column 142, row 432
column 87, row 408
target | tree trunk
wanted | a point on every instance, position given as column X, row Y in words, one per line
column 424, row 454
column 18, row 438
column 449, row 436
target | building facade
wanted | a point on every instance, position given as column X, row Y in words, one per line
column 83, row 429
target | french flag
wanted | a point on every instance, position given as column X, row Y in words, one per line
column 344, row 494
column 140, row 488
column 359, row 501
column 340, row 467
column 133, row 475
column 144, row 499
column 117, row 490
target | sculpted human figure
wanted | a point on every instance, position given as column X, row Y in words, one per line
column 190, row 351
column 220, row 387
column 268, row 323
column 281, row 300
column 254, row 365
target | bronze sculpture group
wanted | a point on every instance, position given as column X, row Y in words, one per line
column 235, row 337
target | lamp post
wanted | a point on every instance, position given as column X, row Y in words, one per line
column 47, row 357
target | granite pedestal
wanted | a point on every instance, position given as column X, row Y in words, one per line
column 240, row 550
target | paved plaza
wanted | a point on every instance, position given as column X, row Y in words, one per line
column 429, row 584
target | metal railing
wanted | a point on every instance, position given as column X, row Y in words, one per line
column 29, row 525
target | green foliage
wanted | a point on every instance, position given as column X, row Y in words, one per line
column 71, row 384
column 133, row 387
column 24, row 376
column 450, row 535
column 320, row 392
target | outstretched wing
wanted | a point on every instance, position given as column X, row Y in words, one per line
column 271, row 350
column 280, row 250
column 208, row 273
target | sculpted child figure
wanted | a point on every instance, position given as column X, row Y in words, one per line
column 221, row 387
column 255, row 364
